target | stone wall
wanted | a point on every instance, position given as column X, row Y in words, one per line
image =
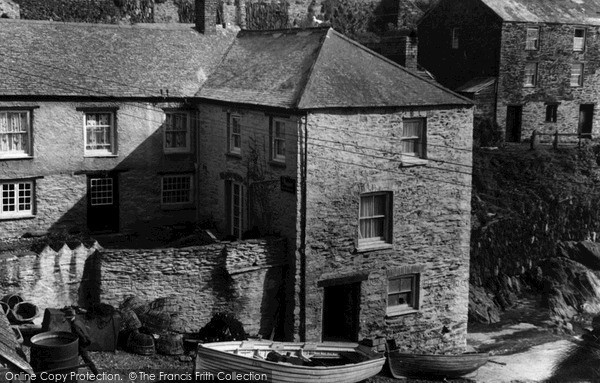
column 554, row 57
column 59, row 167
column 431, row 223
column 49, row 280
column 478, row 50
column 9, row 9
column 243, row 278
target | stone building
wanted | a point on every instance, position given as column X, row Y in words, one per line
column 359, row 164
column 543, row 54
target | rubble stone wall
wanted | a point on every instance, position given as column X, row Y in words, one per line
column 243, row 278
column 431, row 222
column 554, row 57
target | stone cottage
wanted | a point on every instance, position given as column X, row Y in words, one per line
column 362, row 166
column 543, row 55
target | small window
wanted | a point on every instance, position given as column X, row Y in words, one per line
column 455, row 38
column 532, row 42
column 177, row 132
column 234, row 128
column 551, row 112
column 278, row 140
column 577, row 74
column 99, row 134
column 17, row 199
column 530, row 79
column 579, row 39
column 375, row 226
column 15, row 134
column 403, row 294
column 177, row 190
column 413, row 138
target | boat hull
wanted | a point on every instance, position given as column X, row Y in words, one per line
column 404, row 365
column 217, row 359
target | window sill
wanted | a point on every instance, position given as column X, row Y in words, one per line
column 277, row 163
column 29, row 216
column 374, row 247
column 172, row 151
column 528, row 86
column 413, row 161
column 394, row 315
column 234, row 155
column 104, row 155
column 16, row 157
column 183, row 206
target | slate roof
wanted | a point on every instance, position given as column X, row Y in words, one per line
column 476, row 85
column 549, row 11
column 43, row 58
column 316, row 68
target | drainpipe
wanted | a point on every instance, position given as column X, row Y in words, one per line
column 302, row 249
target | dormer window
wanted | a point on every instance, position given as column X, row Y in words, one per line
column 532, row 41
column 579, row 39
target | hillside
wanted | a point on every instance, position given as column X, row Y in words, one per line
column 524, row 203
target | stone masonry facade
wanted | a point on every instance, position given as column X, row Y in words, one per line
column 554, row 59
column 431, row 223
column 59, row 167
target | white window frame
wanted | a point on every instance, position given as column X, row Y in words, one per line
column 579, row 41
column 532, row 39
column 102, row 191
column 455, row 38
column 385, row 239
column 576, row 74
column 419, row 141
column 187, row 131
column 112, row 150
column 21, row 198
column 414, row 303
column 277, row 140
column 164, row 198
column 6, row 134
column 236, row 208
column 231, row 134
column 530, row 78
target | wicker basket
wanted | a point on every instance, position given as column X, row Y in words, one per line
column 140, row 343
column 165, row 304
column 157, row 321
column 129, row 320
column 139, row 306
column 170, row 343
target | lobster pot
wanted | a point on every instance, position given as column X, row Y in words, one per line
column 129, row 320
column 11, row 300
column 136, row 304
column 170, row 343
column 165, row 304
column 140, row 343
column 156, row 321
column 55, row 350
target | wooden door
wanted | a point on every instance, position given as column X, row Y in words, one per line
column 341, row 310
column 103, row 203
column 514, row 116
column 586, row 116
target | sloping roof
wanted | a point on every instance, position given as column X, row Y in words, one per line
column 42, row 58
column 316, row 68
column 476, row 85
column 549, row 11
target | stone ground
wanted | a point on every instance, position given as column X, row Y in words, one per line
column 524, row 347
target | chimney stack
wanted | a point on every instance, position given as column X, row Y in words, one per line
column 206, row 16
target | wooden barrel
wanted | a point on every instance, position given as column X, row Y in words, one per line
column 55, row 350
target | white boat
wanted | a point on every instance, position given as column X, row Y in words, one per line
column 290, row 362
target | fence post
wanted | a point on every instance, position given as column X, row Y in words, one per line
column 555, row 142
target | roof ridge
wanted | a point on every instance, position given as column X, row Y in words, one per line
column 282, row 30
column 298, row 99
column 169, row 26
column 373, row 53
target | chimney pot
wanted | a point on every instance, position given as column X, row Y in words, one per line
column 206, row 16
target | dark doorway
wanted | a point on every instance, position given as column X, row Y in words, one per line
column 586, row 120
column 341, row 309
column 103, row 202
column 514, row 117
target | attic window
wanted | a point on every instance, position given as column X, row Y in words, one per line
column 455, row 37
column 579, row 40
column 532, row 42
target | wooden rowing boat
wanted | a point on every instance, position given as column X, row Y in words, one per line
column 404, row 365
column 334, row 362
